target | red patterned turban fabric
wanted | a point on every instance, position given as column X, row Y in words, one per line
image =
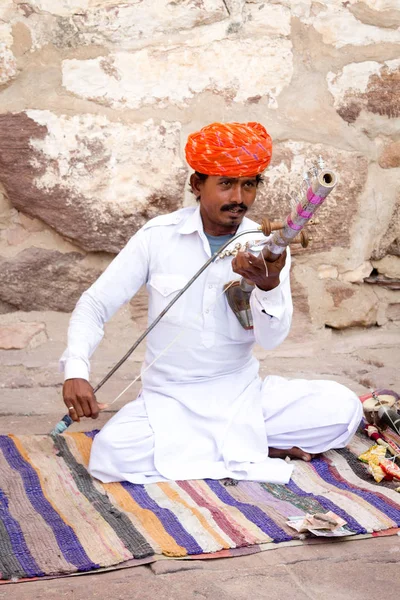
column 231, row 149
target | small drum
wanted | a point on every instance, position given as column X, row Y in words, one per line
column 373, row 402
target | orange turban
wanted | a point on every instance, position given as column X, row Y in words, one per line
column 232, row 149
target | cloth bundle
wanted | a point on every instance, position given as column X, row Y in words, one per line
column 379, row 466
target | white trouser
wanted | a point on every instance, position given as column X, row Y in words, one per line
column 314, row 416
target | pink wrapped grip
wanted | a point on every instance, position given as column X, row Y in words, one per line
column 293, row 225
column 312, row 198
column 304, row 214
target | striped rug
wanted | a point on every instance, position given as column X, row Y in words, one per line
column 56, row 520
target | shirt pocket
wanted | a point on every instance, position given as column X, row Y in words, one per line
column 163, row 287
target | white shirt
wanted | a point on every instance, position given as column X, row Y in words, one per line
column 204, row 392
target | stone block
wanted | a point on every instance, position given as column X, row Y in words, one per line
column 16, row 336
column 357, row 275
column 327, row 272
column 269, row 19
column 381, row 13
column 6, row 308
column 339, row 27
column 38, row 279
column 285, row 177
column 393, row 312
column 163, row 76
column 235, row 8
column 123, row 24
column 8, row 63
column 390, row 241
column 366, row 86
column 301, row 324
column 353, row 306
column 16, row 235
column 390, row 157
column 389, row 266
column 73, row 24
column 94, row 181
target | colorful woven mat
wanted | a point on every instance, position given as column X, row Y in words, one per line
column 56, row 520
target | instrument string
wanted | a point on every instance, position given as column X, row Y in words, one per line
column 176, row 338
column 168, row 346
column 265, row 264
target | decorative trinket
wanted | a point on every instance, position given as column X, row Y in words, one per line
column 239, row 301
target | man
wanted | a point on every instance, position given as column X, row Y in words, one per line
column 203, row 411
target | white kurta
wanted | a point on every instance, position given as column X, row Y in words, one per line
column 203, row 410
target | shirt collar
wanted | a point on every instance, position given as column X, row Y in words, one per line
column 194, row 223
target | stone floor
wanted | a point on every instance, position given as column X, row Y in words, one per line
column 30, row 392
column 357, row 570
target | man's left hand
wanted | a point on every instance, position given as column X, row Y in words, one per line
column 253, row 268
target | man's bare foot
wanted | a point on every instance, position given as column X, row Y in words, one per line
column 292, row 453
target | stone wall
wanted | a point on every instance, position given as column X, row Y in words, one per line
column 97, row 98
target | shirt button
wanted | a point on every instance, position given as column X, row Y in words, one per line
column 210, row 285
column 207, row 311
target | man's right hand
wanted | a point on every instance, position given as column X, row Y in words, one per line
column 80, row 400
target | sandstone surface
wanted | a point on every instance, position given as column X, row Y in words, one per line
column 38, row 279
column 93, row 181
column 8, row 63
column 164, row 76
column 284, row 183
column 370, row 86
column 389, row 266
column 266, row 18
column 357, row 275
column 390, row 157
column 393, row 311
column 327, row 272
column 123, row 23
column 20, row 335
column 340, row 27
column 382, row 13
column 301, row 329
column 353, row 306
column 390, row 241
column 110, row 22
column 97, row 98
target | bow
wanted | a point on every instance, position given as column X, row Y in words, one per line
column 271, row 248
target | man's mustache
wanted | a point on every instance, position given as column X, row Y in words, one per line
column 226, row 207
